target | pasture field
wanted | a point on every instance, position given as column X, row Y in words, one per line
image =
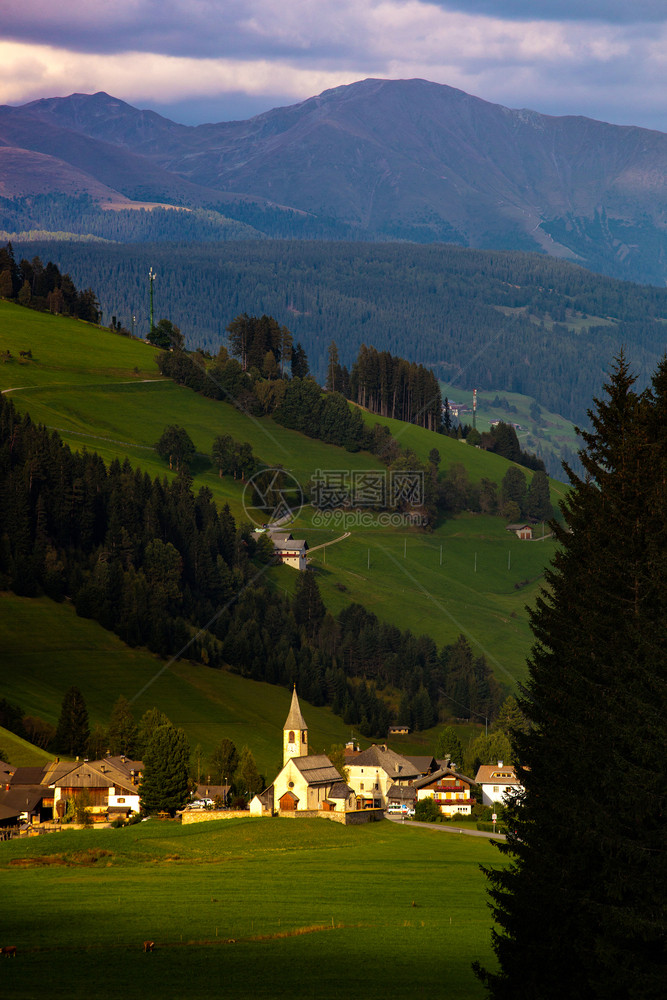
column 246, row 908
column 117, row 404
column 91, row 385
column 481, row 587
column 20, row 753
column 47, row 648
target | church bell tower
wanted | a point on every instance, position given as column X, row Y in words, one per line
column 295, row 732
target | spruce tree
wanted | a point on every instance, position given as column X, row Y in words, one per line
column 223, row 762
column 247, row 778
column 580, row 909
column 72, row 732
column 122, row 735
column 165, row 784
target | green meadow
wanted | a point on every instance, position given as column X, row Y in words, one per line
column 103, row 392
column 46, row 648
column 468, row 576
column 20, row 753
column 546, row 432
column 246, row 908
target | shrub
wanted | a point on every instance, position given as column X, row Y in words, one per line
column 427, row 811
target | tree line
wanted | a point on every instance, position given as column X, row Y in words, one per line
column 492, row 320
column 300, row 404
column 393, row 387
column 160, row 566
column 42, row 287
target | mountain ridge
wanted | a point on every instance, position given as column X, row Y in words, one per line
column 403, row 159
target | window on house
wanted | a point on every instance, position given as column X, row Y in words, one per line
column 121, row 800
column 361, row 786
column 495, row 788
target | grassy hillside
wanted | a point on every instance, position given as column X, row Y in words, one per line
column 547, row 434
column 103, row 392
column 16, row 751
column 47, row 648
column 252, row 908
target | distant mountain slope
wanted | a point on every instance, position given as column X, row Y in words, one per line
column 499, row 321
column 94, row 161
column 407, row 159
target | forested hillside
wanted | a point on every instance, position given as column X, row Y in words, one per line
column 162, row 567
column 502, row 321
column 80, row 215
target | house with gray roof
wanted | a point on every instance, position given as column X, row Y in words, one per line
column 372, row 773
column 291, row 551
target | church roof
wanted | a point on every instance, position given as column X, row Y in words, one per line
column 341, row 790
column 295, row 719
column 317, row 769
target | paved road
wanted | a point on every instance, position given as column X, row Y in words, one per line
column 446, row 828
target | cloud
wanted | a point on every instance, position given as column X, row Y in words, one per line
column 604, row 11
column 27, row 72
column 178, row 51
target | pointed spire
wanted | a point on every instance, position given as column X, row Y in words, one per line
column 295, row 719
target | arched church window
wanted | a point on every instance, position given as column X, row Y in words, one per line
column 291, row 736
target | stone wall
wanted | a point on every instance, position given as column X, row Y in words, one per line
column 205, row 815
column 353, row 817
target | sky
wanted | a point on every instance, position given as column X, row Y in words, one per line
column 218, row 60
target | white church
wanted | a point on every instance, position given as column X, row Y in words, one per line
column 307, row 785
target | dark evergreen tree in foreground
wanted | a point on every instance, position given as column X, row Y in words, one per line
column 165, row 784
column 581, row 906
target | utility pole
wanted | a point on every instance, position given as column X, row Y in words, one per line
column 151, row 279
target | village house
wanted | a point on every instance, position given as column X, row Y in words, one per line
column 38, row 794
column 372, row 772
column 208, row 792
column 449, row 789
column 497, row 781
column 523, row 531
column 290, row 551
column 424, row 764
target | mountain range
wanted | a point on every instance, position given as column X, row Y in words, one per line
column 378, row 159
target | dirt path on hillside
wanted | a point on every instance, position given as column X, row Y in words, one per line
column 333, row 541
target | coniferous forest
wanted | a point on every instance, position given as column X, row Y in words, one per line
column 161, row 567
column 495, row 320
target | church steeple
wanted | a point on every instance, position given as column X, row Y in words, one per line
column 295, row 732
